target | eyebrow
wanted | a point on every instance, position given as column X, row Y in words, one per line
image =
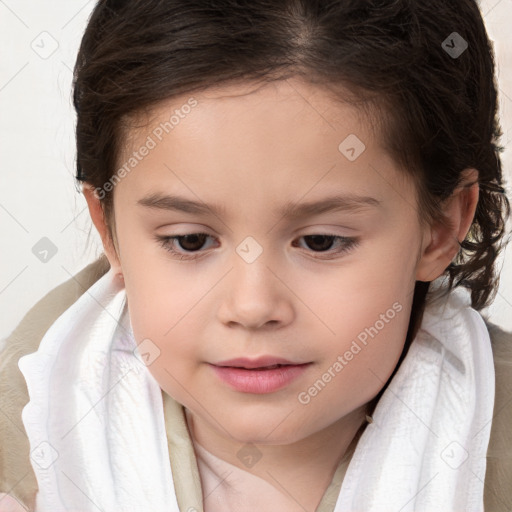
column 291, row 210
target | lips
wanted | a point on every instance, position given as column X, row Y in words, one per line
column 249, row 376
column 263, row 363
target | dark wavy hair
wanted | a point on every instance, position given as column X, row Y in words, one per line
column 437, row 112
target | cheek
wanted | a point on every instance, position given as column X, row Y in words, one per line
column 161, row 293
column 165, row 308
column 356, row 366
column 364, row 312
column 348, row 299
column 160, row 324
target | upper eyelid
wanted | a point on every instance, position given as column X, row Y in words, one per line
column 313, row 229
column 316, row 233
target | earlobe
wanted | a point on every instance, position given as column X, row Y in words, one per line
column 445, row 237
column 98, row 218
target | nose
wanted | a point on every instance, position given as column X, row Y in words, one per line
column 255, row 296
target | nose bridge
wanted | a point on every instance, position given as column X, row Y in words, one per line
column 255, row 296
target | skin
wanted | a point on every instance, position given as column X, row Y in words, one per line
column 10, row 504
column 253, row 149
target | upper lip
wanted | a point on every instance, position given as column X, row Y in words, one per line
column 259, row 362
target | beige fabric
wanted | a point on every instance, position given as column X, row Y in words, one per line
column 17, row 477
column 185, row 471
column 498, row 478
column 332, row 492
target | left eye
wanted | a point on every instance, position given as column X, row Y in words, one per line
column 193, row 242
column 325, row 242
column 190, row 243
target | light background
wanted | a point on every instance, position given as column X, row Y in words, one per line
column 38, row 195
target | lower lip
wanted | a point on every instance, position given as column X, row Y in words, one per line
column 259, row 381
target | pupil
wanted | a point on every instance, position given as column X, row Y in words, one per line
column 185, row 240
column 318, row 239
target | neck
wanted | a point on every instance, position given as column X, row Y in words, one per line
column 303, row 470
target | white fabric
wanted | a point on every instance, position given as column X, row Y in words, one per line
column 98, row 410
column 426, row 449
column 97, row 413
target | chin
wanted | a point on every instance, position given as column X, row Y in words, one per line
column 265, row 433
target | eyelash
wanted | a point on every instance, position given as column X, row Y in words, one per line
column 166, row 242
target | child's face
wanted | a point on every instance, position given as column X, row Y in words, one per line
column 259, row 288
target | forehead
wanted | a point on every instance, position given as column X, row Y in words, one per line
column 259, row 108
column 261, row 140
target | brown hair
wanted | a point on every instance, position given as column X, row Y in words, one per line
column 438, row 110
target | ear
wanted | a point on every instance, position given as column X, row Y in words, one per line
column 442, row 239
column 98, row 219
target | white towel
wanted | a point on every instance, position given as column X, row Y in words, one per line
column 426, row 448
column 97, row 435
column 95, row 417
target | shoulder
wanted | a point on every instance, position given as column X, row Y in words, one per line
column 498, row 478
column 16, row 474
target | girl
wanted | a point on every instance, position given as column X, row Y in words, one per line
column 301, row 206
